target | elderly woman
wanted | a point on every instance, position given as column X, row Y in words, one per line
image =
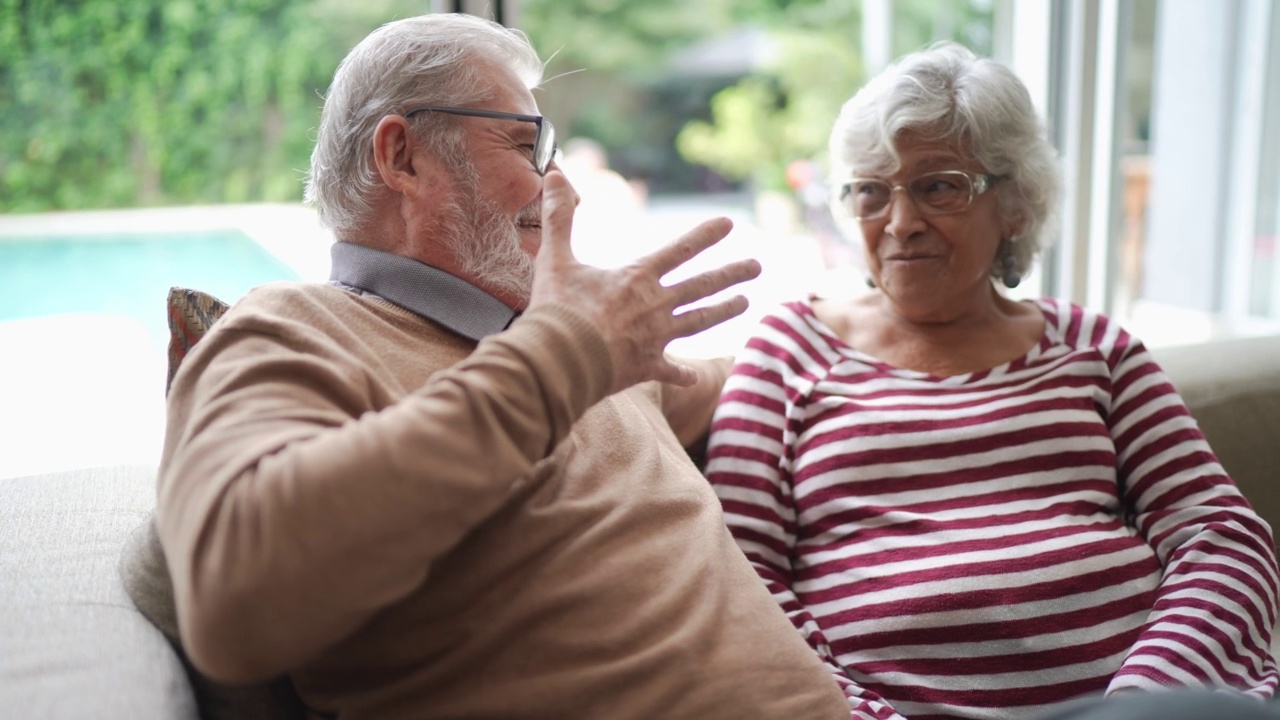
column 974, row 507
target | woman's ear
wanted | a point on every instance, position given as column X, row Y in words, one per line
column 393, row 153
column 1014, row 226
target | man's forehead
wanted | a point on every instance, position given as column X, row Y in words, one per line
column 508, row 93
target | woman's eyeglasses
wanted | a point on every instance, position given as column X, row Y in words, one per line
column 936, row 193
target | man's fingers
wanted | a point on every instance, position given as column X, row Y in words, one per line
column 692, row 322
column 631, row 308
column 688, row 246
column 558, row 202
column 673, row 373
column 704, row 285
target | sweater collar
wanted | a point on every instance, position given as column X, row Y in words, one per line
column 419, row 288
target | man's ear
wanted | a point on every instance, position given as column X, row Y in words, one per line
column 393, row 154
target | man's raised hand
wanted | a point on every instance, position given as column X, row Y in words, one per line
column 635, row 313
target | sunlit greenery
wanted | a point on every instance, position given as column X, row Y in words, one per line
column 766, row 121
column 785, row 110
column 113, row 103
column 123, row 102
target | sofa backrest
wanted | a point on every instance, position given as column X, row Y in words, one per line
column 1232, row 388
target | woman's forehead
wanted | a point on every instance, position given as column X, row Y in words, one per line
column 914, row 153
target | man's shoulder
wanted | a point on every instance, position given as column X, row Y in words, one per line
column 299, row 309
column 308, row 316
column 309, row 303
column 286, row 294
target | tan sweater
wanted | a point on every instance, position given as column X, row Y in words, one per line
column 413, row 526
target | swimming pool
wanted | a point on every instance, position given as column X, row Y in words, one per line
column 128, row 275
column 83, row 327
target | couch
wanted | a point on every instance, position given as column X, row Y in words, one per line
column 73, row 644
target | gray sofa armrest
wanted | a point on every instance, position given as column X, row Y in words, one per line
column 146, row 579
column 72, row 644
column 1232, row 388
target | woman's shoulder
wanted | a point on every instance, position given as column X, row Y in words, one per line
column 1081, row 327
column 786, row 315
column 789, row 332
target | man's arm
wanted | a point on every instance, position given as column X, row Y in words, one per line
column 277, row 544
column 292, row 506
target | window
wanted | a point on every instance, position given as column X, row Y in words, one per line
column 1166, row 113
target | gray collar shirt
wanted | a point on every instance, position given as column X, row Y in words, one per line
column 419, row 288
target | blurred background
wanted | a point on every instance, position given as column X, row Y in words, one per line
column 150, row 143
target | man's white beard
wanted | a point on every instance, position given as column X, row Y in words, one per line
column 486, row 245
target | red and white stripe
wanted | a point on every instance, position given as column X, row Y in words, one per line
column 996, row 544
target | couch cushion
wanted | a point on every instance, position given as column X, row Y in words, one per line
column 1232, row 388
column 146, row 579
column 72, row 644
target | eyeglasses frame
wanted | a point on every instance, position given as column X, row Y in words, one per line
column 979, row 183
column 545, row 128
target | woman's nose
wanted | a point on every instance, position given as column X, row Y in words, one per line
column 904, row 215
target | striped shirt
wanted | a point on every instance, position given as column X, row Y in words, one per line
column 998, row 543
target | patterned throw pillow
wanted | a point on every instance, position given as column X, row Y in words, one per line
column 191, row 314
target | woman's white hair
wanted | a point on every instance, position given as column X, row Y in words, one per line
column 426, row 60
column 947, row 93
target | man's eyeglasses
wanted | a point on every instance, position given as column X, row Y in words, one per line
column 935, row 193
column 544, row 143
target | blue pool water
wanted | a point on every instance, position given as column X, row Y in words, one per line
column 128, row 274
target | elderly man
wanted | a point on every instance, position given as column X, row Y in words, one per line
column 451, row 481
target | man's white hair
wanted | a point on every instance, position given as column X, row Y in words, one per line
column 425, row 60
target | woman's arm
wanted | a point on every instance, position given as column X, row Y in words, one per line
column 1215, row 608
column 688, row 409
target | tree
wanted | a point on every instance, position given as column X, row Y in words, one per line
column 767, row 120
column 784, row 112
column 110, row 103
column 603, row 54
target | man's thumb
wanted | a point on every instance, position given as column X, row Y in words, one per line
column 558, row 203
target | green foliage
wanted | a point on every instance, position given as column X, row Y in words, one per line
column 918, row 23
column 797, row 15
column 785, row 111
column 624, row 37
column 608, row 70
column 109, row 103
column 766, row 121
column 738, row 140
